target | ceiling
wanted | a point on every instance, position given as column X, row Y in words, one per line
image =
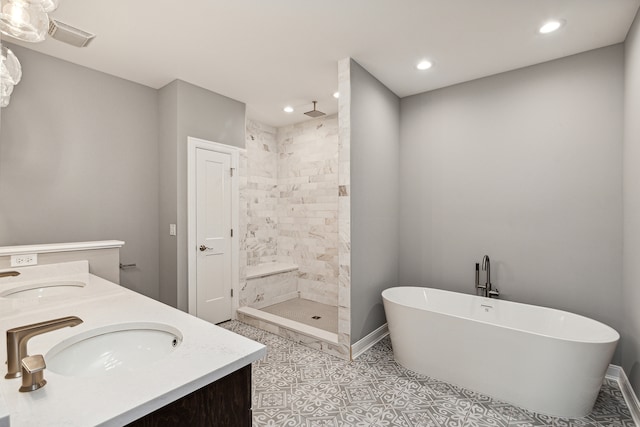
column 272, row 53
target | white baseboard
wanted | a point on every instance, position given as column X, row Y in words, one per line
column 369, row 341
column 616, row 373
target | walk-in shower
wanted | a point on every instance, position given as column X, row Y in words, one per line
column 290, row 230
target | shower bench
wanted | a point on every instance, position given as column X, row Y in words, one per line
column 270, row 283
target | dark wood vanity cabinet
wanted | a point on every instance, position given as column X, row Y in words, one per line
column 224, row 403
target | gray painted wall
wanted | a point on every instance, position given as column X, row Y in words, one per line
column 526, row 167
column 631, row 186
column 88, row 156
column 168, row 193
column 375, row 138
column 79, row 162
column 206, row 115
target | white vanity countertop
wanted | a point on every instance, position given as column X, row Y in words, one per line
column 69, row 273
column 4, row 413
column 206, row 354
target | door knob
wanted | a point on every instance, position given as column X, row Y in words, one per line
column 203, row 248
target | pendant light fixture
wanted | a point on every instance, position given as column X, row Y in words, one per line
column 10, row 70
column 5, row 95
column 25, row 20
column 10, row 74
column 50, row 5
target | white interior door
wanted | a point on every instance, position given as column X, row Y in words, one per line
column 213, row 235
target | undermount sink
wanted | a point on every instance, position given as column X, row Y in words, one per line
column 122, row 348
column 40, row 290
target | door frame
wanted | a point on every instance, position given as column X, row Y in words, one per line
column 195, row 144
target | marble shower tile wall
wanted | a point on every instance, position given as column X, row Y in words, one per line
column 344, row 205
column 308, row 205
column 242, row 225
column 261, row 193
column 258, row 222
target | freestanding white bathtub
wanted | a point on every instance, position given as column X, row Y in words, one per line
column 545, row 360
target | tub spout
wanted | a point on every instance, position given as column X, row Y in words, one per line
column 488, row 290
column 486, row 266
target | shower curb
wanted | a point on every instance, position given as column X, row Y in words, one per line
column 291, row 325
column 615, row 372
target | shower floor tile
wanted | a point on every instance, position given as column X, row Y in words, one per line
column 298, row 386
column 304, row 311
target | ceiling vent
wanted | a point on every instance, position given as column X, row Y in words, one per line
column 68, row 34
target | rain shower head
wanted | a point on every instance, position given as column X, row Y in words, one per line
column 314, row 112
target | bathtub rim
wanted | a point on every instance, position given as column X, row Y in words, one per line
column 615, row 338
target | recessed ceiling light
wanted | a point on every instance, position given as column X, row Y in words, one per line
column 336, row 95
column 550, row 27
column 424, row 65
column 288, row 109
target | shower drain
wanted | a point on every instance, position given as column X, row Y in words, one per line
column 316, row 317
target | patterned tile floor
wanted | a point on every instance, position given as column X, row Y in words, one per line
column 298, row 386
